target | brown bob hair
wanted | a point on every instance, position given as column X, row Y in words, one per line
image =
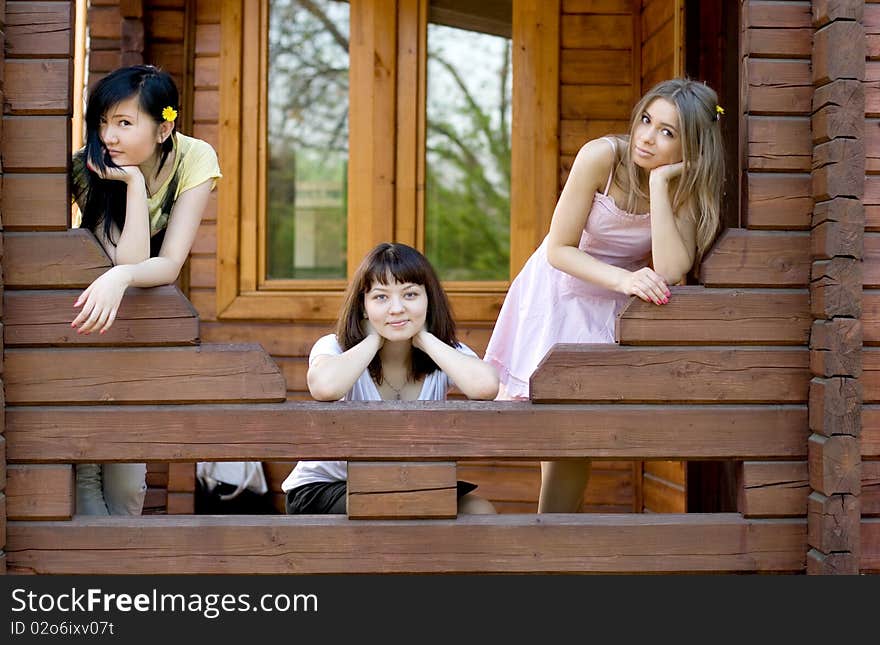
column 386, row 263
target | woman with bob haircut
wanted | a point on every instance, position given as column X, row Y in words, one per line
column 395, row 341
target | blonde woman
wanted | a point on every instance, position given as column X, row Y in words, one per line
column 637, row 213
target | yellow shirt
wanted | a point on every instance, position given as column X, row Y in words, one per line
column 194, row 163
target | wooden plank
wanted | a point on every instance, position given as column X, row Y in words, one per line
column 594, row 67
column 771, row 14
column 165, row 24
column 312, row 544
column 35, row 144
column 661, row 497
column 870, row 488
column 596, row 6
column 779, row 144
column 779, row 87
column 871, row 257
column 157, row 316
column 655, row 14
column 35, row 202
column 40, row 492
column 672, row 471
column 743, row 258
column 591, row 31
column 436, row 431
column 401, row 490
column 535, row 131
column 780, row 43
column 696, row 315
column 180, row 503
column 870, row 380
column 77, row 259
column 773, row 488
column 871, row 316
column 574, row 134
column 208, row 373
column 870, row 556
column 181, row 478
column 612, row 102
column 596, row 373
column 39, row 29
column 37, row 87
column 779, row 201
column 658, row 52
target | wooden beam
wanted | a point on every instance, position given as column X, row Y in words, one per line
column 744, row 258
column 77, row 259
column 557, row 543
column 404, row 431
column 157, row 316
column 612, row 373
column 207, row 373
column 40, row 492
column 696, row 315
column 401, row 490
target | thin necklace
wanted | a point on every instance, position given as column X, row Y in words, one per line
column 398, row 396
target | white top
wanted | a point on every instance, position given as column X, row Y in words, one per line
column 434, row 388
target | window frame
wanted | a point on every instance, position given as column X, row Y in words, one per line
column 387, row 89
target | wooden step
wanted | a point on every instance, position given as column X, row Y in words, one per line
column 745, row 258
column 697, row 315
column 207, row 373
column 569, row 543
column 404, row 431
column 157, row 316
column 611, row 373
column 75, row 259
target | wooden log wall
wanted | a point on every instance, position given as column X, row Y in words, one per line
column 838, row 224
column 870, row 421
column 3, row 474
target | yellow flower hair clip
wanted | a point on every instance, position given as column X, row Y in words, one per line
column 169, row 113
column 718, row 112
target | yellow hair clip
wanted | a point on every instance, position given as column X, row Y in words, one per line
column 169, row 113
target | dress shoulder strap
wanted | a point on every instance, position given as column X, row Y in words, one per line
column 610, row 174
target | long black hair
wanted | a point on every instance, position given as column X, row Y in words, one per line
column 394, row 261
column 102, row 201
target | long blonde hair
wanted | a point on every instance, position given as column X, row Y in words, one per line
column 699, row 186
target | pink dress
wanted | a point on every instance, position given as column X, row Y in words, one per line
column 545, row 306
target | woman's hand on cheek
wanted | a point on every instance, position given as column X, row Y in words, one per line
column 418, row 340
column 100, row 301
column 666, row 173
column 369, row 330
column 125, row 174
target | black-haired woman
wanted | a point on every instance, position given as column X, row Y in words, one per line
column 142, row 188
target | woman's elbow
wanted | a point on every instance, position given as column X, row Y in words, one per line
column 487, row 388
column 320, row 390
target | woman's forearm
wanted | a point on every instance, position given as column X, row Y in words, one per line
column 474, row 377
column 668, row 250
column 584, row 266
column 330, row 377
column 152, row 272
column 133, row 246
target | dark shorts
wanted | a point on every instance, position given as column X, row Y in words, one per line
column 328, row 498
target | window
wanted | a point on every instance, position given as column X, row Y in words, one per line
column 303, row 203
